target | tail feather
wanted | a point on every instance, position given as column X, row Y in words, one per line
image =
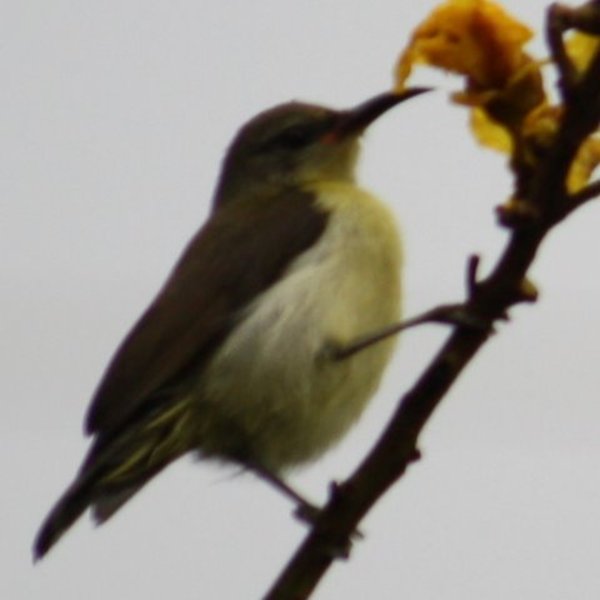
column 66, row 511
column 74, row 502
column 81, row 495
column 104, row 508
column 115, row 469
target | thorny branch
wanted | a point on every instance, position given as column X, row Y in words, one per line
column 545, row 201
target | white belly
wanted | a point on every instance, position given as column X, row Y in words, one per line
column 271, row 380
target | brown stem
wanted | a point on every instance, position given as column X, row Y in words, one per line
column 489, row 300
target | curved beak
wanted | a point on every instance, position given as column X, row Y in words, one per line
column 356, row 120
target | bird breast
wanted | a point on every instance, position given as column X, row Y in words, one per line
column 272, row 381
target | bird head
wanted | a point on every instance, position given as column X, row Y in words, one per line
column 296, row 144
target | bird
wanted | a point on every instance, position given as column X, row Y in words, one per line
column 235, row 358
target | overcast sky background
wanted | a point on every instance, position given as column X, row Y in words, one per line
column 114, row 117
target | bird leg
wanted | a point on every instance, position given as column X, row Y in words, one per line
column 450, row 314
column 306, row 511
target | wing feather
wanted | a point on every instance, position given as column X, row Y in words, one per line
column 241, row 250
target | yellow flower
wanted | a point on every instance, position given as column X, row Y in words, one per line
column 475, row 38
column 479, row 40
column 510, row 111
column 586, row 161
column 581, row 49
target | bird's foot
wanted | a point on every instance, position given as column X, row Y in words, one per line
column 309, row 513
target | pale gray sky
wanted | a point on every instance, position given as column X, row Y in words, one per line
column 114, row 117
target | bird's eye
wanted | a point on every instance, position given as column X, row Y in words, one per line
column 294, row 137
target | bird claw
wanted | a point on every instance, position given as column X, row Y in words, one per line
column 307, row 513
column 459, row 315
column 311, row 514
